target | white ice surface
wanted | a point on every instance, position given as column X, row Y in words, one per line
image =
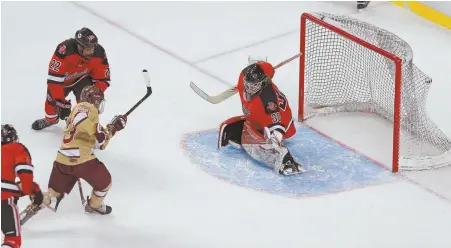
column 159, row 198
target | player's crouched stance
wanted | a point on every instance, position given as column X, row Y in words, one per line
column 75, row 158
column 16, row 162
column 266, row 122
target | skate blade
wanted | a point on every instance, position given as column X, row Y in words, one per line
column 290, row 173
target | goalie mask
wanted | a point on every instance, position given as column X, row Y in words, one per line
column 93, row 95
column 255, row 80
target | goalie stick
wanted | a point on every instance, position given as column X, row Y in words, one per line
column 231, row 91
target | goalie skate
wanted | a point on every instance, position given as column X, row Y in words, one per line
column 290, row 167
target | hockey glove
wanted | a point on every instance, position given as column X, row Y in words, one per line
column 37, row 197
column 117, row 124
column 275, row 137
column 63, row 108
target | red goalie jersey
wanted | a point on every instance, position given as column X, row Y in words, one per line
column 268, row 107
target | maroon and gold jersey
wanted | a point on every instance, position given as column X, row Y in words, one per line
column 16, row 162
column 269, row 109
column 83, row 134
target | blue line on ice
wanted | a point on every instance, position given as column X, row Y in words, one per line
column 330, row 166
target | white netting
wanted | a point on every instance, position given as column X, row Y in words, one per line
column 341, row 75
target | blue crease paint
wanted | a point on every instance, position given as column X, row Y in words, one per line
column 330, row 166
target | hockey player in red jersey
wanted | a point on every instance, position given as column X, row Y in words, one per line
column 16, row 162
column 266, row 122
column 76, row 63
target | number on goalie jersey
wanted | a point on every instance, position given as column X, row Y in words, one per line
column 263, row 103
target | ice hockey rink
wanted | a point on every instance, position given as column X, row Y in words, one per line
column 160, row 197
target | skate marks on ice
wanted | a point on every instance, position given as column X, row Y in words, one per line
column 330, row 166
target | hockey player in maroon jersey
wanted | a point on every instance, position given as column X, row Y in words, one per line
column 16, row 162
column 76, row 62
column 76, row 159
column 266, row 122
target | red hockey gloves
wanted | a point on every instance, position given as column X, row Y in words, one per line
column 63, row 108
column 118, row 123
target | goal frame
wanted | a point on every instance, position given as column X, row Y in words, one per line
column 398, row 77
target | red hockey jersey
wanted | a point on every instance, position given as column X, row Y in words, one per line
column 269, row 109
column 16, row 162
column 66, row 66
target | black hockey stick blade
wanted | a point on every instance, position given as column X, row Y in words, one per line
column 149, row 92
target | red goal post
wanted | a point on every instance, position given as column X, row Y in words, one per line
column 352, row 66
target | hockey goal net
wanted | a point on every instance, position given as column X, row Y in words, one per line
column 352, row 66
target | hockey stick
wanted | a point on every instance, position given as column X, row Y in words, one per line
column 80, row 189
column 231, row 91
column 148, row 93
column 31, row 211
column 213, row 99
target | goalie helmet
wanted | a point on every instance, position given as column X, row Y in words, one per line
column 93, row 95
column 86, row 42
column 9, row 134
column 255, row 80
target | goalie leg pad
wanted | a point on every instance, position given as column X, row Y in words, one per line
column 263, row 150
column 231, row 130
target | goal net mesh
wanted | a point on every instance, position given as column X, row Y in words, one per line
column 342, row 75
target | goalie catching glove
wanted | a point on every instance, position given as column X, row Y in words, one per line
column 275, row 137
column 118, row 123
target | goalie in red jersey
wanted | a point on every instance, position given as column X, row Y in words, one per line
column 76, row 63
column 266, row 122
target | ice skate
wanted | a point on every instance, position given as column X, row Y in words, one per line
column 361, row 5
column 103, row 209
column 43, row 123
column 290, row 167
